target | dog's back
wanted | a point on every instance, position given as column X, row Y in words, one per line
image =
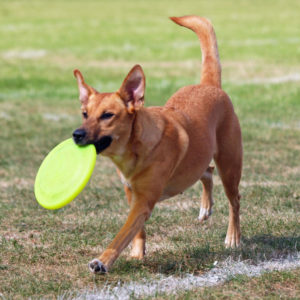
column 206, row 112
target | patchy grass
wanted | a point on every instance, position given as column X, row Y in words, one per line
column 44, row 253
column 274, row 285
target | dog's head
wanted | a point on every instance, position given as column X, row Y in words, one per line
column 108, row 117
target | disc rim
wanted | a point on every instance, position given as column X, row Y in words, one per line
column 39, row 194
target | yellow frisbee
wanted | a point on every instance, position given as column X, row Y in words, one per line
column 64, row 173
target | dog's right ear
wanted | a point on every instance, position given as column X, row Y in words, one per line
column 85, row 91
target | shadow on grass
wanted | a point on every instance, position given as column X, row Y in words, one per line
column 188, row 259
column 269, row 246
column 196, row 260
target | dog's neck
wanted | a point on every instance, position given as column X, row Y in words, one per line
column 146, row 132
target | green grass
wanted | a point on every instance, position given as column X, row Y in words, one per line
column 44, row 253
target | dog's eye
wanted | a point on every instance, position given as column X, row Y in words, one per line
column 106, row 116
column 85, row 115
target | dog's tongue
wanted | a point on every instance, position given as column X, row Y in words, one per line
column 103, row 143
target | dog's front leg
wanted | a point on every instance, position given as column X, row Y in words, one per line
column 140, row 211
column 139, row 241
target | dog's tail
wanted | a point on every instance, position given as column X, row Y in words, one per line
column 211, row 67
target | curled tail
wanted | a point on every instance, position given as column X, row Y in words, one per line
column 211, row 67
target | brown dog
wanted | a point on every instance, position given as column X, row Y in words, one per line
column 161, row 151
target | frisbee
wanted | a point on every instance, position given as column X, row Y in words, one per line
column 64, row 173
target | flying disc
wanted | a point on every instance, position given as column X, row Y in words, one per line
column 64, row 173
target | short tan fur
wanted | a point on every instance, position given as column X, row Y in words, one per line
column 161, row 151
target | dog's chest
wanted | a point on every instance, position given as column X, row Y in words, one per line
column 124, row 180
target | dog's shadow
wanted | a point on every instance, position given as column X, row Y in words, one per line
column 199, row 259
column 270, row 246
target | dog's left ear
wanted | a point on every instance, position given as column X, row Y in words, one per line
column 85, row 90
column 132, row 89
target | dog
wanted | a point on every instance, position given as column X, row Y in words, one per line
column 161, row 151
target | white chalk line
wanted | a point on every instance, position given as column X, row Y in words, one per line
column 39, row 53
column 293, row 77
column 274, row 125
column 243, row 42
column 128, row 47
column 5, row 115
column 46, row 116
column 171, row 285
column 57, row 117
column 25, row 54
column 262, row 42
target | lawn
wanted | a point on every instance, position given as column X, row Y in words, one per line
column 45, row 253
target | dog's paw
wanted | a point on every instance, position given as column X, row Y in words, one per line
column 137, row 254
column 233, row 240
column 204, row 214
column 97, row 267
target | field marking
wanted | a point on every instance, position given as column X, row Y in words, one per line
column 24, row 54
column 184, row 44
column 293, row 77
column 262, row 42
column 4, row 115
column 276, row 125
column 158, row 68
column 56, row 117
column 171, row 285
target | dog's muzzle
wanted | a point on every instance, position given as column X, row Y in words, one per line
column 79, row 136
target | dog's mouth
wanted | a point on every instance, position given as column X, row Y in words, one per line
column 103, row 143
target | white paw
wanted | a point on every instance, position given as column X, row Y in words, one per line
column 137, row 253
column 97, row 267
column 232, row 241
column 204, row 214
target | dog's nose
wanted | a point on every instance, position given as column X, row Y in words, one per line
column 79, row 135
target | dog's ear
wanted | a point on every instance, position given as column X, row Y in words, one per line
column 85, row 91
column 132, row 89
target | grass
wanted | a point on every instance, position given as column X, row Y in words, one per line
column 274, row 285
column 45, row 253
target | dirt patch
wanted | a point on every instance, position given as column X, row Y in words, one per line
column 17, row 183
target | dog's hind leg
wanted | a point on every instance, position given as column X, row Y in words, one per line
column 207, row 198
column 138, row 249
column 229, row 164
